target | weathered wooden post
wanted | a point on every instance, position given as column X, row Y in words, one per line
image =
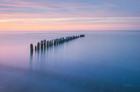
column 35, row 48
column 38, row 46
column 31, row 49
column 44, row 42
column 55, row 42
column 82, row 35
column 42, row 45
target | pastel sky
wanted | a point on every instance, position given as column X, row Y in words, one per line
column 71, row 15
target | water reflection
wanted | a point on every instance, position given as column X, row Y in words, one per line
column 101, row 62
column 38, row 53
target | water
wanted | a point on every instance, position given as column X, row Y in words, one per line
column 100, row 62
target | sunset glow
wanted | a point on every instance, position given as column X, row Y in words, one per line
column 33, row 15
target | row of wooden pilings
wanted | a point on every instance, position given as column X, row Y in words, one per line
column 43, row 44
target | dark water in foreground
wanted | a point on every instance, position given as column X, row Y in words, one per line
column 100, row 62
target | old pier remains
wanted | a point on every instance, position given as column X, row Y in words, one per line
column 44, row 44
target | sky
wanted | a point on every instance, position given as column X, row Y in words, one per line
column 69, row 15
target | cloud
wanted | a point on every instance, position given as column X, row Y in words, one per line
column 70, row 7
column 76, row 20
column 23, row 4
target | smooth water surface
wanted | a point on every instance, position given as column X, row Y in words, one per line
column 99, row 62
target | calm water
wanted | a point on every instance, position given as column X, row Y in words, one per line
column 100, row 62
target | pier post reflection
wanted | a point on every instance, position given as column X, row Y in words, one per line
column 38, row 51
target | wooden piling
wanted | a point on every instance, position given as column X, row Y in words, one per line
column 31, row 48
column 35, row 48
column 42, row 45
column 38, row 46
column 46, row 44
column 82, row 35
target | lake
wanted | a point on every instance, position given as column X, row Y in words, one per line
column 99, row 62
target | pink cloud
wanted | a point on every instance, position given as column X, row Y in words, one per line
column 24, row 4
